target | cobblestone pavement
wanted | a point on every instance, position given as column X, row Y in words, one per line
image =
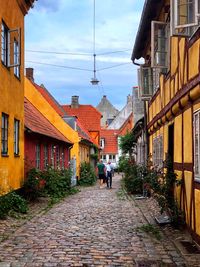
column 96, row 227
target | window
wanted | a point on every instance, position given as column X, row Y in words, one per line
column 16, row 59
column 46, row 156
column 52, row 155
column 158, row 151
column 145, row 81
column 37, row 158
column 112, row 158
column 196, row 125
column 104, row 157
column 58, row 156
column 102, row 143
column 63, row 158
column 4, row 44
column 10, row 47
column 159, row 44
column 184, row 16
column 4, row 134
column 16, row 137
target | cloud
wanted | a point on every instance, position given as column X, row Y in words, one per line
column 48, row 5
column 67, row 26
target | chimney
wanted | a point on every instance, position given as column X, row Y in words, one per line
column 29, row 74
column 75, row 103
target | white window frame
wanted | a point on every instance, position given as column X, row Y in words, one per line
column 156, row 45
column 4, row 43
column 9, row 38
column 141, row 83
column 196, row 139
column 11, row 41
column 53, row 156
column 16, row 136
column 16, row 58
column 186, row 29
column 179, row 26
column 102, row 142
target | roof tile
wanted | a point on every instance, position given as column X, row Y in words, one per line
column 37, row 123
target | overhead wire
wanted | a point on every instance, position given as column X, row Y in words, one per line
column 59, row 66
column 75, row 53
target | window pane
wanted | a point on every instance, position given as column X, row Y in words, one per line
column 186, row 12
column 16, row 137
column 4, row 134
column 4, row 43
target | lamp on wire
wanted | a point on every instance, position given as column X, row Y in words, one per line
column 94, row 80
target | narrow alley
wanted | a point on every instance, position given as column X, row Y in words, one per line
column 96, row 227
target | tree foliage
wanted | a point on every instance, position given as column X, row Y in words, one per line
column 127, row 143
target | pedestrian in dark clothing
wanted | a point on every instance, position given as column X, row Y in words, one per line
column 101, row 169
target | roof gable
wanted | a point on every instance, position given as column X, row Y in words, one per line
column 88, row 115
column 110, row 141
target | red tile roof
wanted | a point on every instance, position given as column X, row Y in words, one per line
column 110, row 144
column 88, row 115
column 50, row 99
column 37, row 123
column 82, row 131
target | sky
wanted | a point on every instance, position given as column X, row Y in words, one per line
column 59, row 45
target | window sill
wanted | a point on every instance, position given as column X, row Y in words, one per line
column 17, row 77
column 5, row 66
column 197, row 180
column 16, row 155
column 4, row 155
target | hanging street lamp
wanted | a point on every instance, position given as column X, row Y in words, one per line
column 94, row 80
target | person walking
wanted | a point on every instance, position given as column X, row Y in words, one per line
column 109, row 175
column 101, row 171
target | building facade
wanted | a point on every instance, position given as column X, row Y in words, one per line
column 168, row 40
column 12, row 14
column 44, row 145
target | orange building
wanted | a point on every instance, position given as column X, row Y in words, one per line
column 12, row 14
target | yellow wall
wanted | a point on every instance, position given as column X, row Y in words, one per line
column 32, row 94
column 12, row 103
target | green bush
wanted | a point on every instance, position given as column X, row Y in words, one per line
column 53, row 183
column 12, row 202
column 57, row 182
column 132, row 179
column 32, row 185
column 87, row 175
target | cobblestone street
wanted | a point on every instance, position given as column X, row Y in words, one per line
column 96, row 227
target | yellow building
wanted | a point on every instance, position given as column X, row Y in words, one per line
column 69, row 126
column 168, row 42
column 37, row 99
column 12, row 14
